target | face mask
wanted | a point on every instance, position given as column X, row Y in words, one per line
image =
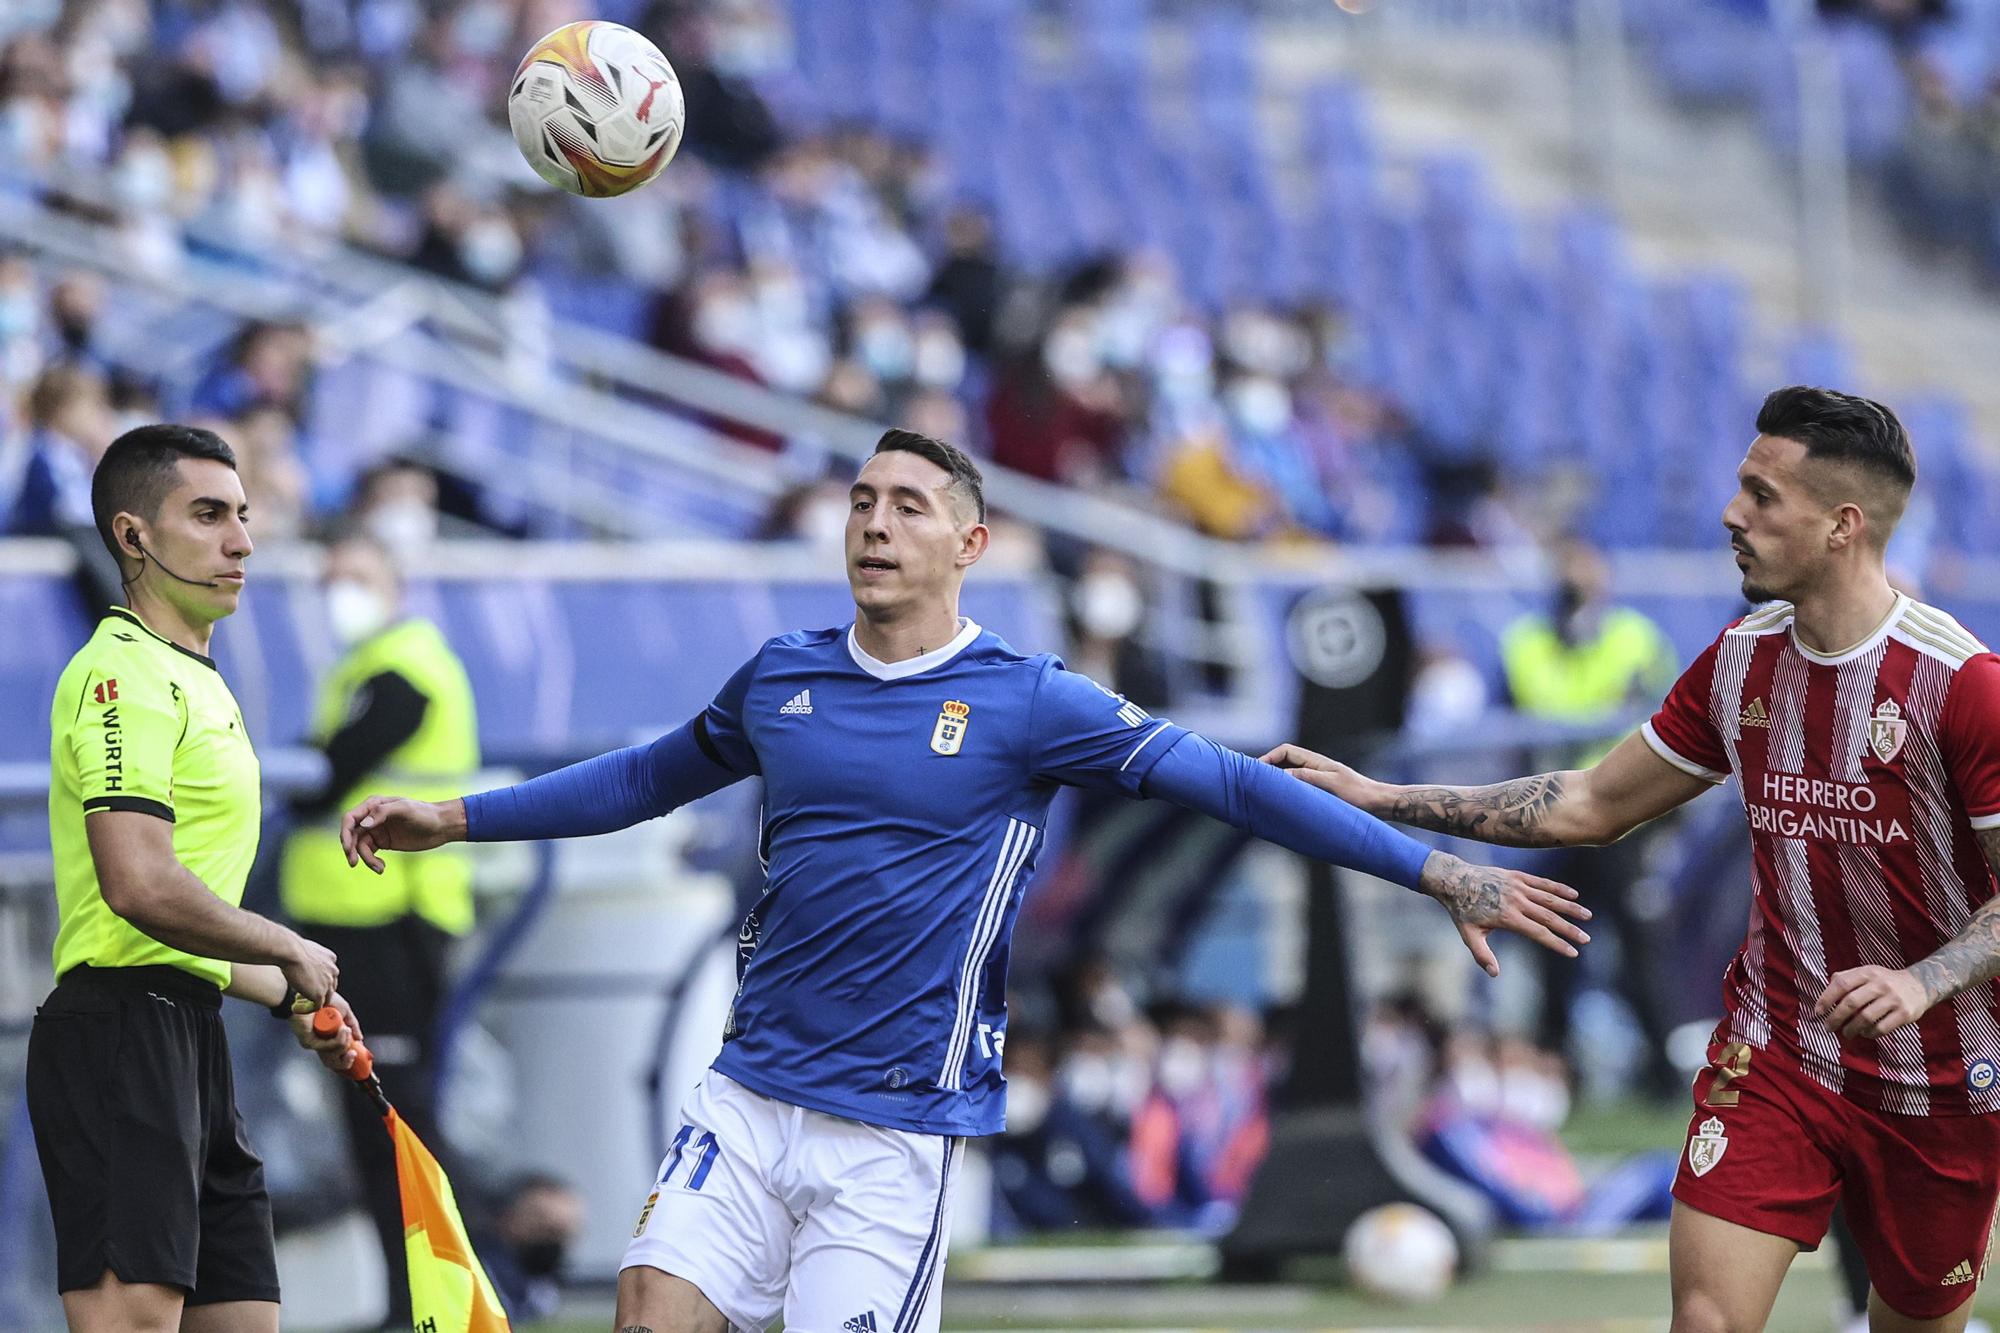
column 1131, row 1080
column 940, row 361
column 885, row 349
column 1182, row 1066
column 1533, row 1098
column 1125, row 332
column 1071, row 357
column 1258, row 342
column 1184, row 365
column 1089, row 1081
column 743, row 51
column 490, row 251
column 781, row 303
column 1475, row 1085
column 17, row 314
column 726, row 325
column 480, row 30
column 143, row 179
column 1111, row 1006
column 542, row 1258
column 824, row 522
column 354, row 611
column 794, row 358
column 1261, row 406
column 404, row 527
column 1108, row 606
column 1027, row 1104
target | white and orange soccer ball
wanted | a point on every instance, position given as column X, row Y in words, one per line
column 1400, row 1252
column 596, row 109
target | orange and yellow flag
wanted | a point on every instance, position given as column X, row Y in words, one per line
column 449, row 1291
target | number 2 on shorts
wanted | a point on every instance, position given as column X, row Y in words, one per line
column 1732, row 1063
column 700, row 1150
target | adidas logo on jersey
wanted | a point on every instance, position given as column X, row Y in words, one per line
column 1755, row 715
column 1959, row 1275
column 801, row 703
column 861, row 1323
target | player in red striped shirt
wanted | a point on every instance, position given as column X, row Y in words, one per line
column 1857, row 1057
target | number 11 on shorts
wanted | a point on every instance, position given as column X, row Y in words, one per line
column 697, row 1149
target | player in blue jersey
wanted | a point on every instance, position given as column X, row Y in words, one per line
column 908, row 762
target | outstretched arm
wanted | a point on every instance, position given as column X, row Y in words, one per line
column 1875, row 1001
column 1578, row 808
column 1232, row 787
column 612, row 791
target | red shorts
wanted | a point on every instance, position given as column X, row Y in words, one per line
column 1771, row 1150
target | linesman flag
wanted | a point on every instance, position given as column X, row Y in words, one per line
column 449, row 1291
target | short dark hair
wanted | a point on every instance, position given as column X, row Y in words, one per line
column 141, row 467
column 1840, row 427
column 964, row 472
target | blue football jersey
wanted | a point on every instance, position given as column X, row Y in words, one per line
column 904, row 805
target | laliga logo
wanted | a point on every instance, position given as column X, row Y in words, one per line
column 1979, row 1075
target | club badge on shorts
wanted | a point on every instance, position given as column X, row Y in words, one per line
column 645, row 1214
column 1705, row 1149
column 949, row 733
column 1886, row 730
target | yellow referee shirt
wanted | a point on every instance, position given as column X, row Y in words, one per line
column 140, row 723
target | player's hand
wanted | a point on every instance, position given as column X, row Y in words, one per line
column 312, row 969
column 1483, row 899
column 1871, row 1001
column 336, row 1051
column 1329, row 775
column 398, row 824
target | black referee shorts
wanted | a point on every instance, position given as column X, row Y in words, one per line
column 134, row 1110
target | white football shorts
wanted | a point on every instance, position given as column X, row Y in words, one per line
column 772, row 1209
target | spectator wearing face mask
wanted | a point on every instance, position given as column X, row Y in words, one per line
column 269, row 364
column 274, row 477
column 21, row 356
column 1107, row 616
column 396, row 503
column 538, row 1219
column 395, row 712
column 1061, row 416
column 1056, row 1165
column 75, row 328
column 1585, row 660
column 70, row 425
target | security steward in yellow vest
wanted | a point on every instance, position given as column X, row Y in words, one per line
column 1588, row 661
column 395, row 714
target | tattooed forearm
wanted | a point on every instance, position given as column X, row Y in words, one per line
column 1513, row 814
column 635, row 1328
column 1973, row 955
column 1472, row 894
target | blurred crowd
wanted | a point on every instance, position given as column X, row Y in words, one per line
column 829, row 265
column 1921, row 94
column 1943, row 175
column 1126, row 1115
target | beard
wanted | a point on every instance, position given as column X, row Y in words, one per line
column 1755, row 592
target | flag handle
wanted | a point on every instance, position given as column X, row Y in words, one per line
column 325, row 1022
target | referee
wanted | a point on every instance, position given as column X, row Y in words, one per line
column 159, row 1202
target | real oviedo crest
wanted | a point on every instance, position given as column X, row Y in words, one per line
column 949, row 734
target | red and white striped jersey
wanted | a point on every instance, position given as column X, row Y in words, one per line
column 1863, row 776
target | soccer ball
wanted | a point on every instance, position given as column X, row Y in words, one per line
column 1400, row 1252
column 596, row 109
